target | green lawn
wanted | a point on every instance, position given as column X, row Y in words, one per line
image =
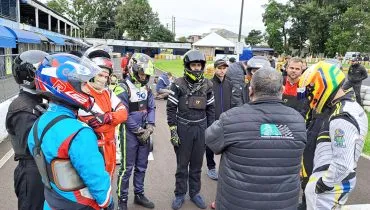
column 367, row 142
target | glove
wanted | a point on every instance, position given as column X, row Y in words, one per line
column 175, row 140
column 100, row 119
column 144, row 137
column 150, row 128
column 321, row 187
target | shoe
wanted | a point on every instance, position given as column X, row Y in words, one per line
column 141, row 200
column 302, row 206
column 177, row 202
column 198, row 201
column 122, row 204
column 213, row 205
column 212, row 174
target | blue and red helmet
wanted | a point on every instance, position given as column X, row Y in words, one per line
column 60, row 77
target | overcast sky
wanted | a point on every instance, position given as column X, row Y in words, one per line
column 199, row 16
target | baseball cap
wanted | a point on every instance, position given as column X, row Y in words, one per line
column 220, row 62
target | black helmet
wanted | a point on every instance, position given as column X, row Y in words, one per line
column 24, row 67
column 257, row 62
column 100, row 55
column 194, row 56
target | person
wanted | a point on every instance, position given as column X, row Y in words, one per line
column 232, row 60
column 272, row 61
column 108, row 111
column 260, row 179
column 124, row 63
column 76, row 53
column 356, row 73
column 135, row 134
column 65, row 149
column 236, row 73
column 283, row 70
column 341, row 136
column 21, row 115
column 163, row 85
column 294, row 71
column 222, row 88
column 190, row 109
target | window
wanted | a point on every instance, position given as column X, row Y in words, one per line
column 8, row 9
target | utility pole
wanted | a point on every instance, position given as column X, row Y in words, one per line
column 174, row 25
column 167, row 26
column 241, row 21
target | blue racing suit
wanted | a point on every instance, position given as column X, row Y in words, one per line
column 70, row 139
column 140, row 103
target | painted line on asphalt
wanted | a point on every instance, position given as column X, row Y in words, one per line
column 357, row 207
column 6, row 157
column 365, row 156
column 151, row 156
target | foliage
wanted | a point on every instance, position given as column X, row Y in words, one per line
column 182, row 39
column 254, row 37
column 161, row 34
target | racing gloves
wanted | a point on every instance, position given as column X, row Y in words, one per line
column 321, row 187
column 144, row 134
column 175, row 140
column 100, row 119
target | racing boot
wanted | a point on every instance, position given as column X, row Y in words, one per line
column 141, row 200
column 122, row 204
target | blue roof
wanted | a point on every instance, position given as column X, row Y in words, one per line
column 57, row 40
column 25, row 36
column 7, row 39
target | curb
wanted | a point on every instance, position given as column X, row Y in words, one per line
column 365, row 156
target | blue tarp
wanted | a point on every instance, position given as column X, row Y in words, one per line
column 25, row 36
column 247, row 54
column 55, row 39
column 7, row 39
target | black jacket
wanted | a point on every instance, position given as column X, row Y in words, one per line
column 19, row 120
column 222, row 91
column 180, row 99
column 262, row 145
column 236, row 74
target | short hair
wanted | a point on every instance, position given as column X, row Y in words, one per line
column 295, row 60
column 267, row 82
column 169, row 74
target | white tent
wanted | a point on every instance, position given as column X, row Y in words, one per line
column 213, row 40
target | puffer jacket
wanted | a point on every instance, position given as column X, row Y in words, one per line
column 236, row 74
column 262, row 145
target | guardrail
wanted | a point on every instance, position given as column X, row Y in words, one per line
column 8, row 87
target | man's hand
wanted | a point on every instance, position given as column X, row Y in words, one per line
column 321, row 187
column 144, row 136
column 150, row 127
column 100, row 119
column 175, row 140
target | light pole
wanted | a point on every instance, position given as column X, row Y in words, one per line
column 241, row 20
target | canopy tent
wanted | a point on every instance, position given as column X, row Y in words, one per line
column 213, row 40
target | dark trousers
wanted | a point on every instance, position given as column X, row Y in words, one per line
column 134, row 155
column 28, row 186
column 356, row 88
column 189, row 157
column 210, row 159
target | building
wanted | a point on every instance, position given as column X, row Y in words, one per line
column 31, row 25
column 229, row 35
column 193, row 38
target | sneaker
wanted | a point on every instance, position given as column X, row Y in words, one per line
column 122, row 204
column 212, row 174
column 141, row 200
column 198, row 201
column 213, row 205
column 177, row 202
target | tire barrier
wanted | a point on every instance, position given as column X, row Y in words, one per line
column 365, row 96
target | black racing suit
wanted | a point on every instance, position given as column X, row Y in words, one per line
column 191, row 108
column 355, row 77
column 27, row 180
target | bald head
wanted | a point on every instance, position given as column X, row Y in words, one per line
column 266, row 82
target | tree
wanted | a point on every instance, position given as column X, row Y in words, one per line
column 60, row 6
column 136, row 18
column 161, row 34
column 182, row 39
column 106, row 25
column 274, row 18
column 298, row 32
column 254, row 37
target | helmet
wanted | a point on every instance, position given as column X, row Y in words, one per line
column 140, row 62
column 194, row 56
column 257, row 62
column 319, row 84
column 24, row 67
column 100, row 55
column 60, row 76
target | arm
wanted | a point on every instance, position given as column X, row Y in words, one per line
column 210, row 109
column 343, row 135
column 215, row 137
column 151, row 108
column 119, row 112
column 172, row 103
column 20, row 125
column 89, row 164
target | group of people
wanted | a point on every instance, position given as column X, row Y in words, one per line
column 275, row 132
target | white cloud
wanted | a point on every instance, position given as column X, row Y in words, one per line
column 199, row 16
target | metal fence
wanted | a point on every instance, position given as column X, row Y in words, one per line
column 8, row 87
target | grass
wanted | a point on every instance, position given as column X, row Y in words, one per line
column 366, row 149
column 176, row 67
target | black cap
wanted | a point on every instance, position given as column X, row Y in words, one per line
column 232, row 60
column 220, row 62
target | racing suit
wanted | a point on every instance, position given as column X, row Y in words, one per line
column 338, row 149
column 27, row 181
column 191, row 121
column 140, row 103
column 106, row 101
column 70, row 140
